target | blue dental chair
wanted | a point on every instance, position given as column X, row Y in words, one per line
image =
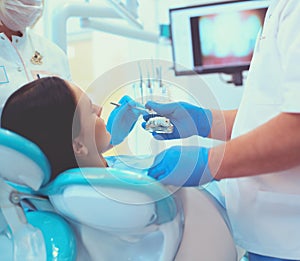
column 27, row 232
column 84, row 214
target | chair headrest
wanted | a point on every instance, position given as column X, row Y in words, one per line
column 22, row 162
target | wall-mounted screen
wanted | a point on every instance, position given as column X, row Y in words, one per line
column 218, row 37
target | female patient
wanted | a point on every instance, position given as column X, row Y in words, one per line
column 60, row 118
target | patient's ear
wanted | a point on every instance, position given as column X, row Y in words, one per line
column 79, row 148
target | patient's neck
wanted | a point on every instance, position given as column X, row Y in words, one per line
column 95, row 160
column 103, row 162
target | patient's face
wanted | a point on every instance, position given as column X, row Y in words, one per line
column 93, row 128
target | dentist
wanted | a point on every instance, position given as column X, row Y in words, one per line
column 259, row 161
column 25, row 56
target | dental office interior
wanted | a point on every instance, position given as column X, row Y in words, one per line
column 145, row 49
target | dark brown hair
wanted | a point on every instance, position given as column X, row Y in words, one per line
column 43, row 111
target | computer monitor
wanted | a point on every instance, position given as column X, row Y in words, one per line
column 216, row 37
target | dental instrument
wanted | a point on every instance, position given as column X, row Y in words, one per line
column 141, row 82
column 143, row 110
column 149, row 85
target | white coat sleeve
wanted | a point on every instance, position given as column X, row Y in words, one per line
column 288, row 41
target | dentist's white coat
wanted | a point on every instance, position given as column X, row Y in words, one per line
column 16, row 67
column 264, row 210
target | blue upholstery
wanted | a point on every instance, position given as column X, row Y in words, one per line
column 59, row 238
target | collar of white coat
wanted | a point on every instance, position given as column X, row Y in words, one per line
column 15, row 38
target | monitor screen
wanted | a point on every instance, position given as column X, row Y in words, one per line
column 218, row 37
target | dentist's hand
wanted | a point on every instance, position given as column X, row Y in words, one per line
column 182, row 166
column 188, row 120
column 122, row 119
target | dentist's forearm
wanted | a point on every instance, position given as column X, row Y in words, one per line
column 222, row 123
column 274, row 146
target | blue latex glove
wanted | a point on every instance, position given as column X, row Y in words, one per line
column 188, row 120
column 122, row 119
column 182, row 166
